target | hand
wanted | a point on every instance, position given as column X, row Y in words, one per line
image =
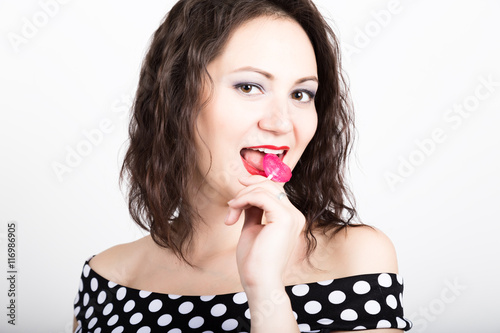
column 264, row 249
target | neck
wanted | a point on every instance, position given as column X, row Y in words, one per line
column 212, row 238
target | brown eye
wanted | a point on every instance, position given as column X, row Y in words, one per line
column 246, row 88
column 298, row 95
column 302, row 96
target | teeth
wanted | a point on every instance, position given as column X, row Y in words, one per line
column 270, row 151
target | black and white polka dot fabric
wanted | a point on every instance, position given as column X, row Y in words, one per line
column 352, row 303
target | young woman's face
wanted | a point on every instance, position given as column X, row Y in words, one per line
column 264, row 84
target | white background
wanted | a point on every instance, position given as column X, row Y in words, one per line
column 408, row 71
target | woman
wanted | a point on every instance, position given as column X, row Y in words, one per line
column 226, row 85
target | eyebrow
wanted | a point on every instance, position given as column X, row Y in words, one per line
column 270, row 76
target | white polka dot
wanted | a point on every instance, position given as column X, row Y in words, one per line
column 102, row 297
column 336, row 297
column 325, row 321
column 120, row 294
column 304, row 327
column 401, row 322
column 136, row 318
column 77, row 311
column 295, row 315
column 92, row 322
column 372, row 307
column 186, row 307
column 359, row 328
column 312, row 307
column 196, row 322
column 240, row 298
column 348, row 315
column 155, row 305
column 391, row 301
column 174, row 296
column 80, row 287
column 144, row 294
column 97, row 330
column 164, row 320
column 218, row 310
column 119, row 329
column 86, row 270
column 77, row 298
column 400, row 279
column 107, row 309
column 112, row 320
column 94, row 284
column 207, row 298
column 383, row 324
column 111, row 284
column 229, row 324
column 247, row 314
column 325, row 283
column 89, row 312
column 361, row 287
column 384, row 280
column 86, row 299
column 129, row 306
column 144, row 329
column 300, row 290
column 175, row 330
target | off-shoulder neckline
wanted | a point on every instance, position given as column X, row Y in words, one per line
column 113, row 284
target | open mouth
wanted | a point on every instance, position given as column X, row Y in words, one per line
column 253, row 157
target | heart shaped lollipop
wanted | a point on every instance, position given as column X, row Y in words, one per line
column 275, row 169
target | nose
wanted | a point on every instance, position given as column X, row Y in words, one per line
column 276, row 119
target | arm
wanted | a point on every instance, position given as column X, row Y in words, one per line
column 270, row 310
column 264, row 250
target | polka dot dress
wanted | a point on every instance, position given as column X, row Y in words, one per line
column 352, row 303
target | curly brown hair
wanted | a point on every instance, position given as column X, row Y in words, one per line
column 158, row 163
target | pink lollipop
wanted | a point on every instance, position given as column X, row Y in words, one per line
column 275, row 169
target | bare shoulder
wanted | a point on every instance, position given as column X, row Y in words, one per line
column 118, row 262
column 365, row 249
column 357, row 250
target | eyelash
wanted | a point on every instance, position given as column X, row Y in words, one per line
column 311, row 94
column 239, row 86
column 308, row 92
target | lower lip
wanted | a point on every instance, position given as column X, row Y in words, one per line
column 251, row 170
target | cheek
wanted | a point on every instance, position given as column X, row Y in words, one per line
column 314, row 125
column 308, row 125
column 219, row 131
column 206, row 142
